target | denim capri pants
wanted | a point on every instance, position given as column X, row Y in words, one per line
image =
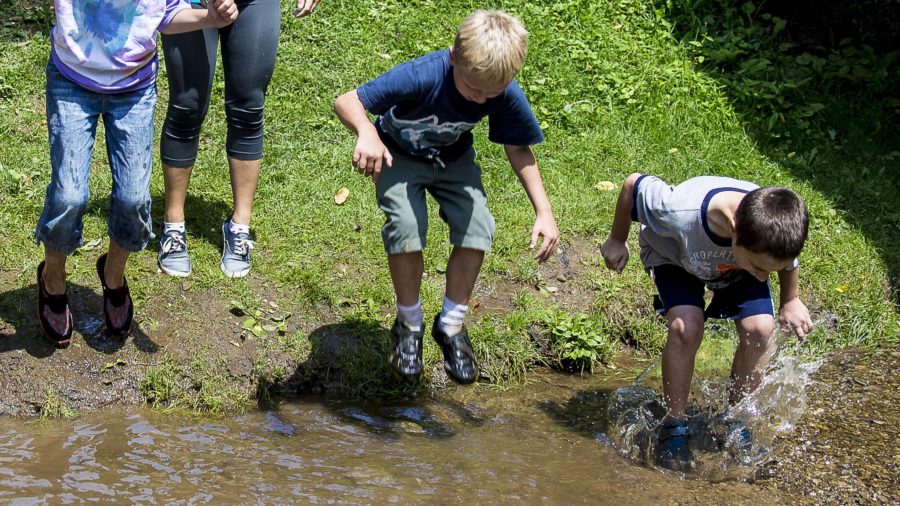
column 457, row 188
column 72, row 115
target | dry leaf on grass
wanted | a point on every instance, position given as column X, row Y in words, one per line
column 341, row 196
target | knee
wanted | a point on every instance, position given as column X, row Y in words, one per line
column 186, row 113
column 686, row 332
column 245, row 116
column 757, row 331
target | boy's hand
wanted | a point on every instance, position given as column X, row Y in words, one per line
column 221, row 13
column 305, row 8
column 794, row 315
column 368, row 156
column 615, row 254
column 544, row 226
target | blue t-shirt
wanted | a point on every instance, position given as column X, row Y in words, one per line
column 420, row 110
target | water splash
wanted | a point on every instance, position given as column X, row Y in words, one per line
column 635, row 413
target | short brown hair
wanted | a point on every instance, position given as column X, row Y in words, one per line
column 773, row 221
column 490, row 46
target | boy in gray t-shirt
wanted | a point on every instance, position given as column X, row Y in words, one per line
column 723, row 234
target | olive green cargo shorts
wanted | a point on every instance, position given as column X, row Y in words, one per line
column 455, row 186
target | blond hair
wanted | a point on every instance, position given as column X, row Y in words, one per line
column 490, row 46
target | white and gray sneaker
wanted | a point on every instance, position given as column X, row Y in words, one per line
column 235, row 252
column 173, row 254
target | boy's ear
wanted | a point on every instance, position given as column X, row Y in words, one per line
column 451, row 55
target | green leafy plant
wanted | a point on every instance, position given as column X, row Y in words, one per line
column 578, row 341
column 260, row 320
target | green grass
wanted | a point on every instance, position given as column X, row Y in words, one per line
column 615, row 89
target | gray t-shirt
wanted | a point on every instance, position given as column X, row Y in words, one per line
column 675, row 230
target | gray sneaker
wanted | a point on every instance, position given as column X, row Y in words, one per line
column 235, row 253
column 173, row 254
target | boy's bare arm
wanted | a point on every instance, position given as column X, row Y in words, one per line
column 218, row 13
column 524, row 164
column 369, row 151
column 615, row 248
column 793, row 314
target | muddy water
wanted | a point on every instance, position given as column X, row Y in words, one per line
column 544, row 443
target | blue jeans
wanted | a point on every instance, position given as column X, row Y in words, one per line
column 72, row 114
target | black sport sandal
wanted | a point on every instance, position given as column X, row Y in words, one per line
column 118, row 309
column 406, row 354
column 459, row 359
column 53, row 313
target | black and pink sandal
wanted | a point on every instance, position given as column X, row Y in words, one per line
column 54, row 314
column 118, row 309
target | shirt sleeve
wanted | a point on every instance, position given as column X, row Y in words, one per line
column 400, row 84
column 173, row 7
column 650, row 204
column 514, row 122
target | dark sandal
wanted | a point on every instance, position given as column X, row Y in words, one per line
column 53, row 313
column 459, row 359
column 117, row 304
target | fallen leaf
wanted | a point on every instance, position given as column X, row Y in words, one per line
column 605, row 186
column 235, row 344
column 341, row 196
column 186, row 285
column 841, row 288
column 792, row 154
column 673, row 151
column 92, row 244
column 385, row 56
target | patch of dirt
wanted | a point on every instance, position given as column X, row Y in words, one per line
column 562, row 281
column 846, row 448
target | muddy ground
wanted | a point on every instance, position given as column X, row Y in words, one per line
column 846, row 447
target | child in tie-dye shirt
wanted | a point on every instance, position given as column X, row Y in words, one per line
column 103, row 62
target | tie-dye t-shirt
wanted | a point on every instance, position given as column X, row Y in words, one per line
column 109, row 46
column 421, row 112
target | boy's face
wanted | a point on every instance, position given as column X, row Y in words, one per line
column 759, row 265
column 474, row 91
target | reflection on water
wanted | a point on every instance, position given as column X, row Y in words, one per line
column 472, row 444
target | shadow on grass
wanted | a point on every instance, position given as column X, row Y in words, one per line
column 18, row 308
column 348, row 359
column 835, row 69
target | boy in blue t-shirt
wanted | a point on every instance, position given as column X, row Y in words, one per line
column 723, row 234
column 422, row 141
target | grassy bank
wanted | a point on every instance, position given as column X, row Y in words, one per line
column 616, row 88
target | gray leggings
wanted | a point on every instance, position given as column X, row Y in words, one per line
column 249, row 46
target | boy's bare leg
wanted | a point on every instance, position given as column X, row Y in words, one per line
column 406, row 274
column 462, row 271
column 244, row 180
column 114, row 272
column 756, row 344
column 176, row 180
column 684, row 337
column 54, row 272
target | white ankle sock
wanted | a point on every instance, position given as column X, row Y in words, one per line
column 237, row 228
column 411, row 315
column 173, row 225
column 452, row 316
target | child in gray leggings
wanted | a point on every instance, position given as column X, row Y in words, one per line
column 248, row 48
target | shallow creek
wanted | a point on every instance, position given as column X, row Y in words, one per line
column 546, row 443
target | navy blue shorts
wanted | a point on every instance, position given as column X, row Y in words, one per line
column 746, row 297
